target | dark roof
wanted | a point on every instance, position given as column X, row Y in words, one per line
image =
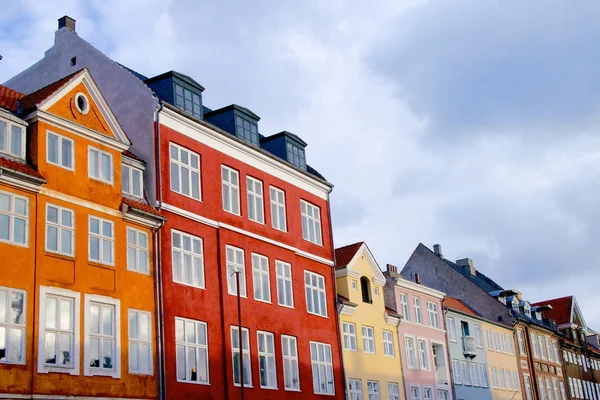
column 561, row 309
column 314, row 172
column 32, row 100
column 230, row 108
column 344, row 255
column 392, row 312
column 458, row 305
column 9, row 99
column 141, row 206
column 129, row 154
column 20, row 167
column 176, row 74
column 479, row 279
column 345, row 300
column 284, row 133
column 134, row 73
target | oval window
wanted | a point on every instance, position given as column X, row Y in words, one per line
column 81, row 103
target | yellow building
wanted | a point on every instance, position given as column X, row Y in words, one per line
column 503, row 370
column 368, row 330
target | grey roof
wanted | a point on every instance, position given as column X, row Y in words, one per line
column 479, row 279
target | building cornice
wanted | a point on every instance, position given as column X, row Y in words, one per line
column 20, row 180
column 406, row 284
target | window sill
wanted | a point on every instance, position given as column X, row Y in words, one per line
column 12, row 363
column 184, row 284
column 269, row 388
column 194, row 383
column 109, row 374
column 59, row 370
column 100, row 265
column 292, row 390
column 139, row 272
column 14, row 243
column 61, row 256
column 245, row 386
column 141, row 373
column 101, row 181
column 318, row 315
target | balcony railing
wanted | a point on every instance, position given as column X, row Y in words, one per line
column 469, row 346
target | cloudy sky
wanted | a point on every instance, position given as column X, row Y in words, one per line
column 475, row 124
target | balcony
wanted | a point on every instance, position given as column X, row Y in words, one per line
column 469, row 346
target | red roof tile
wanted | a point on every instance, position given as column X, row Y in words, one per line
column 20, row 167
column 9, row 99
column 458, row 305
column 561, row 309
column 131, row 155
column 141, row 206
column 344, row 255
column 31, row 100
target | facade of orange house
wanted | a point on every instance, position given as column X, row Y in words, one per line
column 77, row 308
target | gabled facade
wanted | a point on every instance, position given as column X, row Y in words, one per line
column 369, row 330
column 580, row 359
column 90, row 319
column 468, row 361
column 231, row 205
column 422, row 336
column 540, row 375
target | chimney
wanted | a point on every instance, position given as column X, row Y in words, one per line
column 392, row 271
column 417, row 279
column 467, row 264
column 67, row 22
column 437, row 249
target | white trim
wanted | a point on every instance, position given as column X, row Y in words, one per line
column 341, row 272
column 76, row 129
column 231, row 187
column 347, row 309
column 265, row 354
column 132, row 162
column 197, row 346
column 85, row 78
column 12, row 215
column 86, row 108
column 130, row 170
column 215, row 224
column 101, row 238
column 59, row 228
column 137, row 249
column 10, row 324
column 229, row 146
column 46, row 290
column 138, row 341
column 403, row 321
column 19, row 183
column 59, row 153
column 378, row 278
column 100, row 178
column 256, row 196
column 391, row 320
column 80, row 202
column 403, row 283
column 322, row 307
column 87, row 371
column 21, row 125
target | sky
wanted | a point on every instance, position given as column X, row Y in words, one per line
column 474, row 125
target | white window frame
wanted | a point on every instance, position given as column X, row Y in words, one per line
column 59, row 229
column 483, row 376
column 116, row 303
column 194, row 256
column 423, row 352
column 234, row 265
column 256, row 205
column 456, row 371
column 410, row 352
column 490, row 344
column 451, row 326
column 521, row 341
column 180, row 166
column 415, row 392
column 44, row 368
column 368, row 339
column 474, row 371
column 502, row 378
column 129, row 170
column 266, row 355
column 349, row 334
column 465, row 373
column 101, row 153
column 354, row 389
column 388, row 343
column 442, row 394
column 427, row 389
column 404, row 306
column 232, row 188
column 417, row 310
column 309, row 289
column 12, row 215
column 198, row 346
column 508, row 379
column 311, row 222
column 326, row 364
column 139, row 250
column 534, row 345
column 394, row 391
column 433, row 315
column 59, row 152
column 101, row 240
column 280, row 272
column 139, row 342
column 9, row 326
column 478, row 336
column 497, row 341
column 277, row 209
column 10, row 125
column 260, row 271
column 503, row 342
column 495, row 383
column 511, row 344
column 373, row 390
column 292, row 361
column 528, row 394
column 245, row 355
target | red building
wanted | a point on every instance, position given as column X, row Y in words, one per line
column 232, row 205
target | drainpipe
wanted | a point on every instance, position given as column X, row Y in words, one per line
column 160, row 323
column 338, row 309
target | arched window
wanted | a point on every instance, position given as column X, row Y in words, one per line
column 365, row 288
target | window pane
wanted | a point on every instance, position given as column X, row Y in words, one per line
column 133, row 357
column 67, row 158
column 125, row 179
column 144, row 326
column 52, row 238
column 136, row 182
column 3, row 136
column 106, row 167
column 52, row 147
column 16, row 140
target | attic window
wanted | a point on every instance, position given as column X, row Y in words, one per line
column 12, row 139
column 188, row 101
column 81, row 103
column 296, row 155
column 73, row 61
column 246, row 130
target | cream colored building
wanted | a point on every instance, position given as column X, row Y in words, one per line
column 500, row 351
column 368, row 330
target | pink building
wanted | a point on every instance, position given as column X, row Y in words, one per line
column 422, row 336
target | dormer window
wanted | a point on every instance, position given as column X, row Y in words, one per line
column 188, row 101
column 12, row 139
column 132, row 181
column 246, row 130
column 527, row 310
column 295, row 155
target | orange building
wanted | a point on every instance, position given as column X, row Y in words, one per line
column 77, row 238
